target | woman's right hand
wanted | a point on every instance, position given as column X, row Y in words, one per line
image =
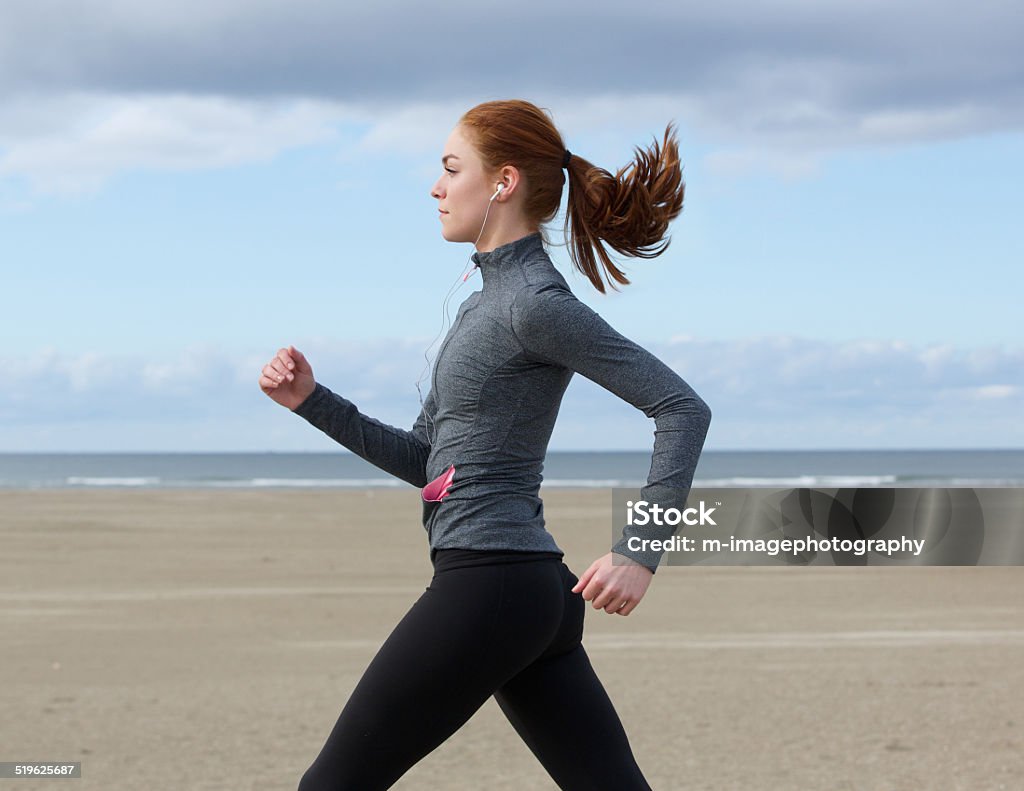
column 288, row 378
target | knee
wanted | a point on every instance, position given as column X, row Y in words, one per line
column 308, row 781
column 321, row 778
column 314, row 779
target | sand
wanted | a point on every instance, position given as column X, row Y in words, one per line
column 208, row 640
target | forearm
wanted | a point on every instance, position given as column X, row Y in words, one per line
column 678, row 441
column 398, row 452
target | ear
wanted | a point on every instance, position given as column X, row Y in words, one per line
column 510, row 179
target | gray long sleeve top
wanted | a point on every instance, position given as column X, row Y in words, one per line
column 477, row 448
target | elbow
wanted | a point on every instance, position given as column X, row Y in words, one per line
column 686, row 406
column 705, row 412
column 421, row 466
column 686, row 401
column 418, row 478
column 701, row 412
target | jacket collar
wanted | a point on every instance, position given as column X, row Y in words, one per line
column 490, row 262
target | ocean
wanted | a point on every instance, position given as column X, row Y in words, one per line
column 562, row 469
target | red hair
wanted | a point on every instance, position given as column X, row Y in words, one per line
column 629, row 211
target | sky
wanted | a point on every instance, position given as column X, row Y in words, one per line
column 186, row 187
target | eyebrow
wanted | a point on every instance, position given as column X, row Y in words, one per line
column 446, row 157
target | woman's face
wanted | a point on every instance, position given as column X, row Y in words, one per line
column 462, row 191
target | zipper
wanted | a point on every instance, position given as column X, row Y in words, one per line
column 451, row 337
column 433, row 387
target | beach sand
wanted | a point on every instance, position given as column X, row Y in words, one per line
column 172, row 639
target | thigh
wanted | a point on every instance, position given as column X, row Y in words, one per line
column 443, row 660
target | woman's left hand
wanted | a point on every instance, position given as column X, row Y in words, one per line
column 615, row 588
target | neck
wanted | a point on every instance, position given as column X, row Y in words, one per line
column 499, row 234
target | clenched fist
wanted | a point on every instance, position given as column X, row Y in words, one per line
column 288, row 378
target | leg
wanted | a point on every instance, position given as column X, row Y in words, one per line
column 464, row 637
column 561, row 710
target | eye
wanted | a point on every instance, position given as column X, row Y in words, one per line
column 450, row 170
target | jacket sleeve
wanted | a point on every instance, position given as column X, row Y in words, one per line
column 396, row 451
column 553, row 326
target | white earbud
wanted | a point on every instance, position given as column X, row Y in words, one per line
column 497, row 192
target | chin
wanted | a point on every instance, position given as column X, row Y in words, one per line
column 452, row 235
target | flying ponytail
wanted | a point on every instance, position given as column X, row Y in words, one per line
column 629, row 211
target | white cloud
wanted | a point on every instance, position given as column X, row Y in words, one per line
column 776, row 392
column 996, row 392
column 73, row 143
column 102, row 86
column 735, row 163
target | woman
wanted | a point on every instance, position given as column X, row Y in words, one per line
column 503, row 615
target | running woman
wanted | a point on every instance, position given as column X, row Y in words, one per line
column 503, row 615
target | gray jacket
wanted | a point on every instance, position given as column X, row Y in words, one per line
column 477, row 448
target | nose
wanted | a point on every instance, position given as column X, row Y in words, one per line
column 435, row 191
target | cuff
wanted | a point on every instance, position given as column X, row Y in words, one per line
column 647, row 558
column 313, row 402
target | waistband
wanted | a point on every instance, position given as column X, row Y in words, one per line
column 447, row 559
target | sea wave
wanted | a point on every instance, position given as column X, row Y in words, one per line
column 344, row 483
column 83, row 480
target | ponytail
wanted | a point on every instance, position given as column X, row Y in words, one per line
column 629, row 211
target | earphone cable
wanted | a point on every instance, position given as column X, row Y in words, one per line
column 446, row 318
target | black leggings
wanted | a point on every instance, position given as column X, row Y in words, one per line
column 506, row 626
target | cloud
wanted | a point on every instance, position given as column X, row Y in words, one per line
column 775, row 391
column 96, row 86
column 996, row 392
column 72, row 143
column 202, row 380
